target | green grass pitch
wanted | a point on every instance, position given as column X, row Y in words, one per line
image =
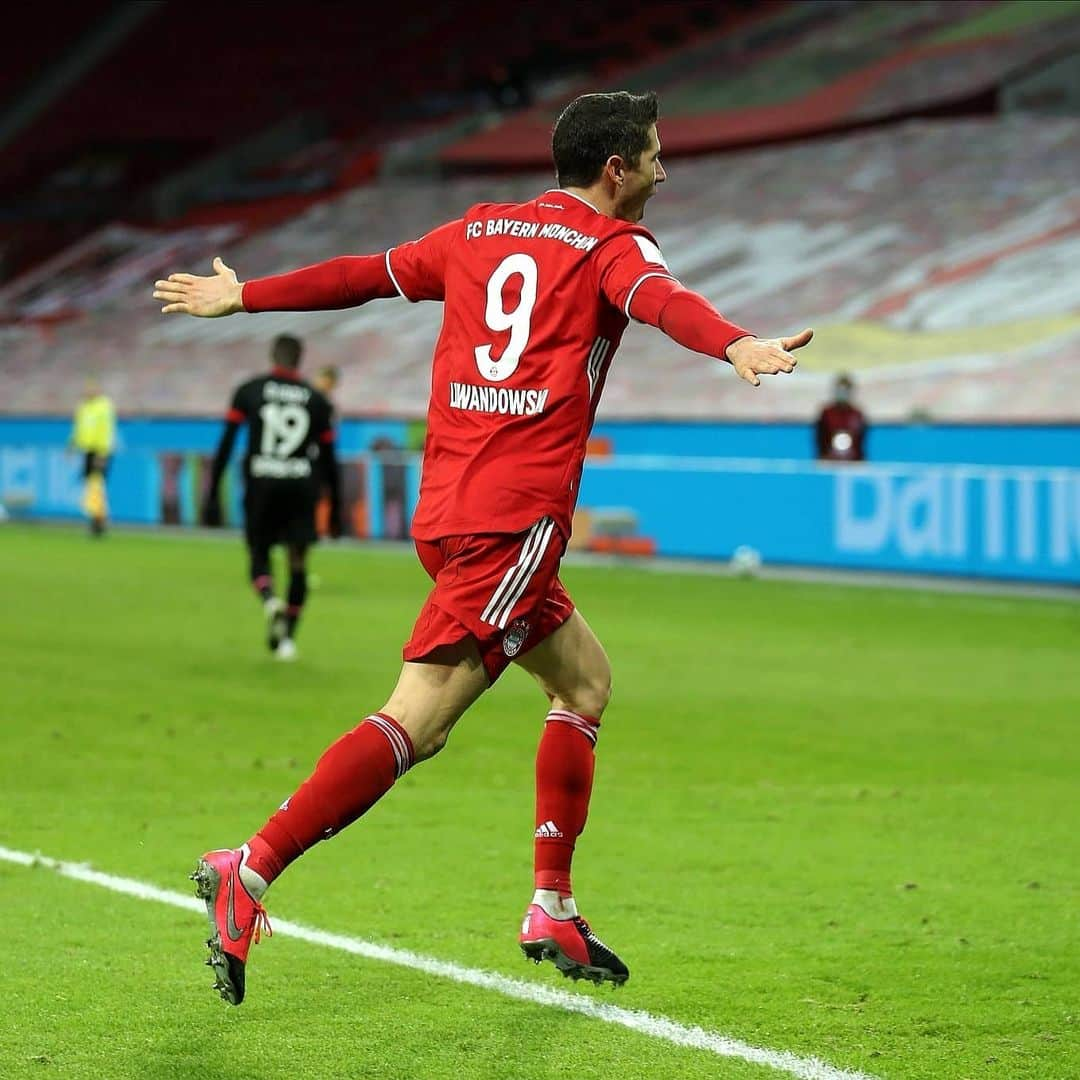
column 841, row 822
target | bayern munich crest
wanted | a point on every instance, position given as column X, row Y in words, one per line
column 515, row 636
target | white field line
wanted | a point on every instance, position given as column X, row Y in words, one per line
column 656, row 1027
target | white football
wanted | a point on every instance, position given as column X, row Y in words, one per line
column 745, row 561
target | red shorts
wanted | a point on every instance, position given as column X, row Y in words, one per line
column 502, row 588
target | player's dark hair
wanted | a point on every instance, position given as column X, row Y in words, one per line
column 286, row 351
column 593, row 127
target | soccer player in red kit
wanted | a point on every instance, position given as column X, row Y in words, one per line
column 536, row 298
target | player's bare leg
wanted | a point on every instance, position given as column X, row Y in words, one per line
column 431, row 697
column 573, row 671
column 349, row 778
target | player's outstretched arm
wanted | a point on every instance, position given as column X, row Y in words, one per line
column 208, row 297
column 342, row 282
column 751, row 356
column 688, row 318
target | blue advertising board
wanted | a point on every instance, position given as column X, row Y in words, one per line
column 985, row 521
column 1013, row 521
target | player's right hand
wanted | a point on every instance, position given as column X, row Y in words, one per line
column 207, row 297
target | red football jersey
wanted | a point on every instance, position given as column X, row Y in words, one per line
column 537, row 296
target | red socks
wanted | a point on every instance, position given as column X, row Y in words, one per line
column 358, row 769
column 564, row 776
column 353, row 774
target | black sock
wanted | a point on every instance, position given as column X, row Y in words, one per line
column 261, row 580
column 297, row 596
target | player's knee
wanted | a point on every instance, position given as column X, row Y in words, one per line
column 600, row 691
column 434, row 744
column 427, row 733
column 428, row 742
column 591, row 696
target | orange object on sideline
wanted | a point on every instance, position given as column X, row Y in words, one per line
column 360, row 518
column 322, row 516
column 643, row 546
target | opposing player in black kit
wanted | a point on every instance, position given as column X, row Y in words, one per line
column 290, row 455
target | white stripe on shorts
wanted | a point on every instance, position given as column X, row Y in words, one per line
column 516, row 580
column 511, row 575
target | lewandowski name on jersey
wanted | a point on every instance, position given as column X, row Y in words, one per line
column 497, row 399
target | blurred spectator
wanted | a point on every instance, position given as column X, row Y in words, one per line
column 506, row 87
column 172, row 468
column 841, row 427
column 389, row 454
column 326, row 380
column 94, row 433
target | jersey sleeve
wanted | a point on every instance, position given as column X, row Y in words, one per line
column 237, row 411
column 624, row 262
column 685, row 316
column 418, row 269
column 347, row 281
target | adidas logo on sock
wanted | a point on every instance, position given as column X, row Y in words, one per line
column 548, row 831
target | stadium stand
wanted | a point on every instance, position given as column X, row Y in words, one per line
column 43, row 38
column 932, row 257
column 97, row 151
column 806, row 69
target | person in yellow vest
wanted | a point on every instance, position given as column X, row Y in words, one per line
column 94, row 433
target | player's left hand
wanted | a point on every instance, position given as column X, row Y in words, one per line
column 207, row 297
column 751, row 357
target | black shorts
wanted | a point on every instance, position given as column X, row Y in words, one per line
column 279, row 512
column 95, row 463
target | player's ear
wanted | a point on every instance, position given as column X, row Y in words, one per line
column 614, row 167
